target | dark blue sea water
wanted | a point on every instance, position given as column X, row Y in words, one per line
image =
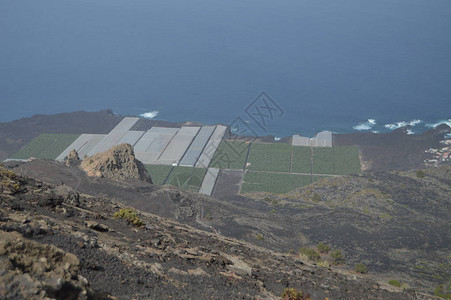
column 327, row 64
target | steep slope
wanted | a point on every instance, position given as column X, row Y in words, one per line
column 162, row 258
column 395, row 223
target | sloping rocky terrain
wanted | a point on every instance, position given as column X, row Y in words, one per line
column 396, row 223
column 56, row 237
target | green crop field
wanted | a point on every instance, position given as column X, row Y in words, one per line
column 346, row 160
column 301, row 159
column 323, row 160
column 158, row 173
column 46, row 146
column 273, row 182
column 187, row 178
column 336, row 160
column 230, row 155
column 270, row 157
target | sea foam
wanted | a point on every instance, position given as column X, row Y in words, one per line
column 433, row 125
column 369, row 124
column 400, row 124
column 150, row 114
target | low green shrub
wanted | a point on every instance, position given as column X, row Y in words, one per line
column 420, row 174
column 316, row 197
column 394, row 282
column 360, row 268
column 291, row 294
column 260, row 237
column 310, row 253
column 337, row 257
column 323, row 263
column 440, row 291
column 323, row 248
column 129, row 215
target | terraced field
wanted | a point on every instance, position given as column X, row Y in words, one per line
column 46, row 146
column 270, row 157
column 158, row 173
column 278, row 183
column 187, row 178
column 230, row 155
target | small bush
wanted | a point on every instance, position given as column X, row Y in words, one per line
column 323, row 263
column 360, row 268
column 5, row 173
column 129, row 215
column 323, row 248
column 291, row 294
column 441, row 292
column 310, row 253
column 337, row 257
column 420, row 174
column 394, row 282
column 316, row 197
column 260, row 237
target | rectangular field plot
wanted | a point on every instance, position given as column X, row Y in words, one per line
column 195, row 150
column 187, row 178
column 336, row 160
column 83, row 144
column 131, row 137
column 114, row 137
column 323, row 160
column 211, row 147
column 158, row 173
column 209, row 181
column 346, row 160
column 230, row 155
column 274, row 182
column 177, row 146
column 301, row 159
column 46, row 146
column 270, row 157
column 149, row 148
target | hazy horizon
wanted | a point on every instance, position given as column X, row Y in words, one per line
column 329, row 65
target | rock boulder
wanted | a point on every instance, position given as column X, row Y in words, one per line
column 118, row 163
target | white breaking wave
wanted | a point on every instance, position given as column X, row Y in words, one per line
column 277, row 138
column 150, row 114
column 400, row 124
column 433, row 125
column 365, row 125
column 410, row 131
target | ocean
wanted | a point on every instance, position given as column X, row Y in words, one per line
column 344, row 66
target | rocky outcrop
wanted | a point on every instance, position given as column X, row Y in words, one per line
column 72, row 159
column 31, row 270
column 118, row 163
